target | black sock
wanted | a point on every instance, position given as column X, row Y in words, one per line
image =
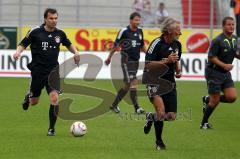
column 121, row 93
column 158, row 125
column 133, row 96
column 207, row 114
column 223, row 99
column 53, row 113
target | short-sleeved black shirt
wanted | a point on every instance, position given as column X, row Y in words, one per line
column 45, row 47
column 160, row 50
column 130, row 42
column 223, row 48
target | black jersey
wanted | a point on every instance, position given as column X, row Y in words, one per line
column 223, row 48
column 45, row 47
column 160, row 50
column 130, row 42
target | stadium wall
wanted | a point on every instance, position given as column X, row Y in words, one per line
column 192, row 66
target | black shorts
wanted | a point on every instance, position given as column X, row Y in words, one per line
column 129, row 69
column 169, row 98
column 39, row 80
column 217, row 81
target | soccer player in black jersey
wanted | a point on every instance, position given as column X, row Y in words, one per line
column 45, row 43
column 131, row 42
column 164, row 51
column 221, row 54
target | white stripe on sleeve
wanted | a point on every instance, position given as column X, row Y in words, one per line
column 150, row 50
column 120, row 33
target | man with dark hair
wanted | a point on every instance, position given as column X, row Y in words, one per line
column 49, row 10
column 45, row 43
column 131, row 42
column 221, row 54
column 164, row 52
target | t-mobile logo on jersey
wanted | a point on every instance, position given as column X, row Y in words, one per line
column 44, row 45
column 134, row 43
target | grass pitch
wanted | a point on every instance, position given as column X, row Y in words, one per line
column 111, row 136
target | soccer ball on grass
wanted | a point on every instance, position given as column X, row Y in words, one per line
column 78, row 128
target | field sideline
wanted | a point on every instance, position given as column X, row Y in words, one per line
column 111, row 136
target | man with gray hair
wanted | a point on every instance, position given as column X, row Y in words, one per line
column 164, row 51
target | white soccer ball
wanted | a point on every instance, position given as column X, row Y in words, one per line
column 78, row 128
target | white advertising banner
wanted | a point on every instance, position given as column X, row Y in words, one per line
column 193, row 66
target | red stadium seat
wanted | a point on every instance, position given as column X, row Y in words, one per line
column 200, row 13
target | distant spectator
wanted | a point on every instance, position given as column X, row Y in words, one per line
column 147, row 6
column 142, row 5
column 145, row 9
column 161, row 13
column 138, row 5
column 147, row 15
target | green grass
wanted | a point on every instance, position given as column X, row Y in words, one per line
column 110, row 136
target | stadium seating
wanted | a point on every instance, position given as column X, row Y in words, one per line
column 200, row 16
column 77, row 12
column 114, row 13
